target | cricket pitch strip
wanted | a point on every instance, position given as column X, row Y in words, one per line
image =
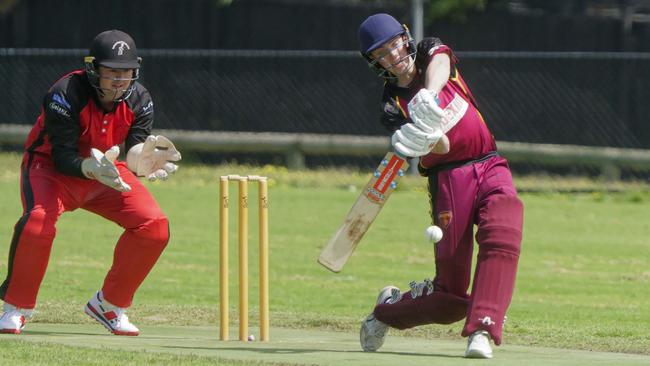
column 309, row 347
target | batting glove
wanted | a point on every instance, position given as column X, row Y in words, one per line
column 425, row 111
column 411, row 141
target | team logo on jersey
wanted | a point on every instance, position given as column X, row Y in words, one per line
column 121, row 46
column 391, row 108
column 444, row 219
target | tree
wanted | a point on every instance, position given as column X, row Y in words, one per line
column 451, row 9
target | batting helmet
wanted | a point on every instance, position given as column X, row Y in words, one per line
column 375, row 31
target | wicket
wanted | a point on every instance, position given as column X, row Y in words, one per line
column 243, row 256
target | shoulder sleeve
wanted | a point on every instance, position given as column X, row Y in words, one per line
column 429, row 47
column 391, row 117
column 62, row 105
column 142, row 106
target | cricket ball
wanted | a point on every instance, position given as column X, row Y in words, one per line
column 433, row 233
column 251, row 337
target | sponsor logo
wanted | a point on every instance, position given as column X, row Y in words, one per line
column 388, row 175
column 444, row 219
column 453, row 112
column 59, row 109
column 148, row 108
column 121, row 45
column 434, row 49
column 374, row 195
column 61, row 100
column 486, row 321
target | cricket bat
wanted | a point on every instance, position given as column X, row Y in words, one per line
column 364, row 211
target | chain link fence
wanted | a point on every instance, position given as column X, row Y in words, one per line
column 588, row 99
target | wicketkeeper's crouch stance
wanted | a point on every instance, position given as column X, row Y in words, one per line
column 469, row 184
column 70, row 162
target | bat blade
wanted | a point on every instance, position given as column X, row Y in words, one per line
column 363, row 212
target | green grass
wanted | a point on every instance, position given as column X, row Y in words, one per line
column 17, row 352
column 582, row 284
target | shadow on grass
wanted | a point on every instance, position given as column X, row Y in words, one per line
column 59, row 333
column 301, row 350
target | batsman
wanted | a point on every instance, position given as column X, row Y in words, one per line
column 431, row 113
column 71, row 161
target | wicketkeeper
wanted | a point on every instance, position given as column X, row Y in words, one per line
column 432, row 114
column 70, row 162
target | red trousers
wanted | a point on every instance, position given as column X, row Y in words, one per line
column 46, row 194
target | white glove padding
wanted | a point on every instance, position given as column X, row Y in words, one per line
column 100, row 166
column 411, row 141
column 425, row 111
column 153, row 157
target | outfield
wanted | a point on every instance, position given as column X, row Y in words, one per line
column 582, row 283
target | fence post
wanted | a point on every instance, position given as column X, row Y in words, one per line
column 295, row 158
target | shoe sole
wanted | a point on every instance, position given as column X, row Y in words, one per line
column 91, row 312
column 384, row 294
column 363, row 332
column 477, row 354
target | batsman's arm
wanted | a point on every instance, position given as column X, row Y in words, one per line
column 438, row 72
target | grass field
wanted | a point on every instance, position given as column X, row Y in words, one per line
column 582, row 284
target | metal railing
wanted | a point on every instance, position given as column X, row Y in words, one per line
column 296, row 146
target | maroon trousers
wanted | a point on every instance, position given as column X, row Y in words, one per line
column 46, row 194
column 482, row 194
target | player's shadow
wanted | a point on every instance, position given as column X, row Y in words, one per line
column 308, row 350
column 60, row 333
column 72, row 333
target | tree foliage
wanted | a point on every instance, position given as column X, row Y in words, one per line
column 451, row 9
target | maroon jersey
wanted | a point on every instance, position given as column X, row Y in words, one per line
column 470, row 138
column 72, row 121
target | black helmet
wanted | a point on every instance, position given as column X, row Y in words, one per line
column 116, row 50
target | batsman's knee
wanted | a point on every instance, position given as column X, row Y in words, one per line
column 501, row 223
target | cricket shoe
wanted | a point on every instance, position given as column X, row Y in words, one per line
column 373, row 331
column 110, row 316
column 478, row 345
column 12, row 320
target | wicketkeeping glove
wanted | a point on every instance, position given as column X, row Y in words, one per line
column 153, row 158
column 100, row 166
column 425, row 111
column 411, row 141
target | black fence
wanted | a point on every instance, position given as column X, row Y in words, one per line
column 593, row 99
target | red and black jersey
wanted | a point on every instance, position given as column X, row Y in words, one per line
column 72, row 122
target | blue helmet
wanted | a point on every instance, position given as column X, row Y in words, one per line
column 376, row 30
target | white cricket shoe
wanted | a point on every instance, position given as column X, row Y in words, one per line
column 373, row 331
column 12, row 320
column 110, row 316
column 478, row 345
